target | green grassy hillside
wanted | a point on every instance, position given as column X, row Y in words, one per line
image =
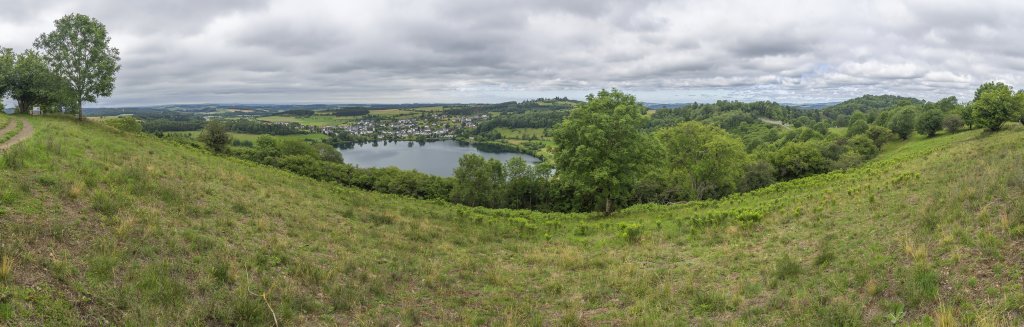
column 100, row 227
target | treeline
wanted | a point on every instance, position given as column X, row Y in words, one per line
column 349, row 112
column 528, row 119
column 511, row 106
column 177, row 122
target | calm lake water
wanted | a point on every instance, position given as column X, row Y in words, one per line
column 436, row 158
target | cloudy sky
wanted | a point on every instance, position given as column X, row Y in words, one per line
column 385, row 51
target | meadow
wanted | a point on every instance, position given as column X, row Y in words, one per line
column 103, row 227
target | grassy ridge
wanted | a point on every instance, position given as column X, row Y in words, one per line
column 126, row 229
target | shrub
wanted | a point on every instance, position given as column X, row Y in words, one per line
column 215, row 136
column 125, row 123
column 630, row 233
column 952, row 123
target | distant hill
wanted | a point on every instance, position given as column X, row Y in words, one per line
column 811, row 106
column 872, row 102
column 109, row 228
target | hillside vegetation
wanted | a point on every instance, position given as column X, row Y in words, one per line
column 101, row 227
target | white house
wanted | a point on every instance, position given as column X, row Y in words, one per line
column 36, row 112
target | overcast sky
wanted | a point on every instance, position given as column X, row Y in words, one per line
column 383, row 51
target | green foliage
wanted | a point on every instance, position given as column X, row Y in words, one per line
column 952, row 123
column 32, row 83
column 857, row 128
column 215, row 136
column 880, row 135
column 601, row 148
column 79, row 51
column 479, row 182
column 994, row 104
column 799, row 159
column 125, row 123
column 929, row 122
column 630, row 233
column 702, row 161
column 7, row 58
column 902, row 123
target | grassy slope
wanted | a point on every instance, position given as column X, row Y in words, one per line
column 104, row 228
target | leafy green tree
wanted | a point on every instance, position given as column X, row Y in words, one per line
column 902, row 123
column 994, row 104
column 601, row 147
column 478, row 182
column 799, row 159
column 79, row 51
column 215, row 136
column 952, row 123
column 929, row 122
column 879, row 134
column 527, row 184
column 1019, row 96
column 32, row 83
column 947, row 104
column 6, row 68
column 703, row 161
column 858, row 127
column 966, row 113
column 862, row 145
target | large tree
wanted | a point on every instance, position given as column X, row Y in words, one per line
column 32, row 83
column 902, row 123
column 994, row 104
column 704, row 161
column 602, row 149
column 929, row 122
column 79, row 51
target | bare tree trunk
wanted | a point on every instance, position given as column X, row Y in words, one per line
column 607, row 205
column 81, row 113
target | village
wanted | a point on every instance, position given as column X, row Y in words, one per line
column 433, row 126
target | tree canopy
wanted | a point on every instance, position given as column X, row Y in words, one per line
column 602, row 148
column 79, row 51
column 994, row 104
column 702, row 161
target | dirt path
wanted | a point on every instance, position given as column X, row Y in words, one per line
column 26, row 132
column 11, row 124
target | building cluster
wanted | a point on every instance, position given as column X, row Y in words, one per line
column 433, row 126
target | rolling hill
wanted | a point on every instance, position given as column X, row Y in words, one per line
column 101, row 227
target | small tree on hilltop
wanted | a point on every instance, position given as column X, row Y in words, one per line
column 79, row 51
column 215, row 136
column 994, row 104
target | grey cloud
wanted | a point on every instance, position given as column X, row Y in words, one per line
column 472, row 50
